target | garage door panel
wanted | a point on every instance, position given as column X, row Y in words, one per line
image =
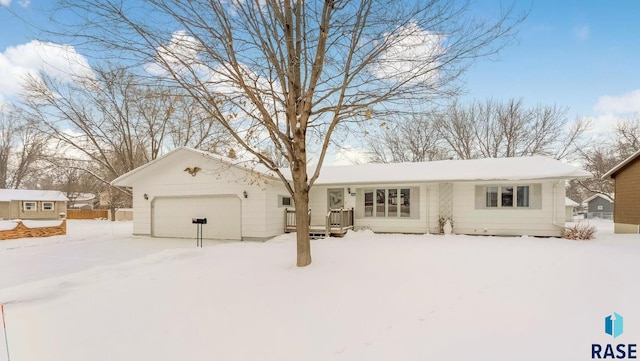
column 172, row 217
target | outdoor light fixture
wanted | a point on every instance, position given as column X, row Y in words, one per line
column 244, row 193
column 146, row 196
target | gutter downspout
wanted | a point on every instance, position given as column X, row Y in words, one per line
column 555, row 200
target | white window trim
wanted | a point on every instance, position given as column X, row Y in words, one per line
column 281, row 199
column 386, row 189
column 515, row 196
column 33, row 209
column 53, row 207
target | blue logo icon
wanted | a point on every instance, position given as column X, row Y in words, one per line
column 613, row 325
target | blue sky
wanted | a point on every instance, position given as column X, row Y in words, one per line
column 582, row 54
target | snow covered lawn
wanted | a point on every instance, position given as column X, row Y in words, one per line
column 365, row 297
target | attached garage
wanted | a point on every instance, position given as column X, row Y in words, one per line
column 171, row 216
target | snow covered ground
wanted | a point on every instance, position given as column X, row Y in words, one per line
column 100, row 293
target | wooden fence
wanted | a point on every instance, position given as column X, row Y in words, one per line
column 22, row 231
column 87, row 213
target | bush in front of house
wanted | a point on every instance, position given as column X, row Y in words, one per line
column 580, row 231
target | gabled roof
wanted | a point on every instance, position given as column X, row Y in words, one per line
column 7, row 195
column 123, row 180
column 488, row 169
column 612, row 172
column 596, row 195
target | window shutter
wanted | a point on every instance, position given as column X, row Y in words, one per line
column 536, row 196
column 480, row 197
column 415, row 202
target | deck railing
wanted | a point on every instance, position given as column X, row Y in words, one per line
column 290, row 219
column 337, row 222
column 339, row 218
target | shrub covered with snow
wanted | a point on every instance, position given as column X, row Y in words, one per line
column 580, row 231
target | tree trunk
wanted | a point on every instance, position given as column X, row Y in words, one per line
column 301, row 199
column 302, row 229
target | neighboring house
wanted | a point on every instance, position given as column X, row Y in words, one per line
column 626, row 208
column 569, row 209
column 32, row 204
column 507, row 196
column 599, row 206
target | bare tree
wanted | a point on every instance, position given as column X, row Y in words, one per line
column 284, row 71
column 604, row 154
column 21, row 147
column 116, row 120
column 626, row 135
column 410, row 140
column 510, row 129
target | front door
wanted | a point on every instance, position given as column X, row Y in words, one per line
column 335, row 198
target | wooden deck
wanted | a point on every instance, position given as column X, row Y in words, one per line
column 337, row 223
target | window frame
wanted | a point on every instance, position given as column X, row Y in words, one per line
column 34, row 208
column 378, row 201
column 53, row 206
column 513, row 196
column 281, row 201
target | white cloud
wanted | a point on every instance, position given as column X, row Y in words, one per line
column 181, row 54
column 61, row 62
column 23, row 3
column 581, row 31
column 622, row 104
column 348, row 155
column 412, row 55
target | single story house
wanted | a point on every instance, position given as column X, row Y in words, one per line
column 32, row 204
column 599, row 206
column 503, row 196
column 626, row 208
column 569, row 208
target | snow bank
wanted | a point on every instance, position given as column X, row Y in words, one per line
column 373, row 297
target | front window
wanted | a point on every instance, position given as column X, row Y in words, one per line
column 507, row 197
column 368, row 204
column 47, row 206
column 389, row 202
column 29, row 206
column 284, row 201
column 523, row 196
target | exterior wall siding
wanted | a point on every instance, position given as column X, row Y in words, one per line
column 14, row 210
column 606, row 205
column 5, row 210
column 468, row 219
column 418, row 223
column 626, row 208
column 215, row 178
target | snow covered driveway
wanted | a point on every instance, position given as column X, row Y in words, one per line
column 88, row 243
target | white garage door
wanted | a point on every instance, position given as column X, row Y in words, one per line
column 171, row 217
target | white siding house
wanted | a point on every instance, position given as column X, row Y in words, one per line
column 238, row 203
column 507, row 196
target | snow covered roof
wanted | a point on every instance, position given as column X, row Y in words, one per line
column 487, row 169
column 596, row 195
column 570, row 202
column 123, row 180
column 612, row 173
column 7, row 195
